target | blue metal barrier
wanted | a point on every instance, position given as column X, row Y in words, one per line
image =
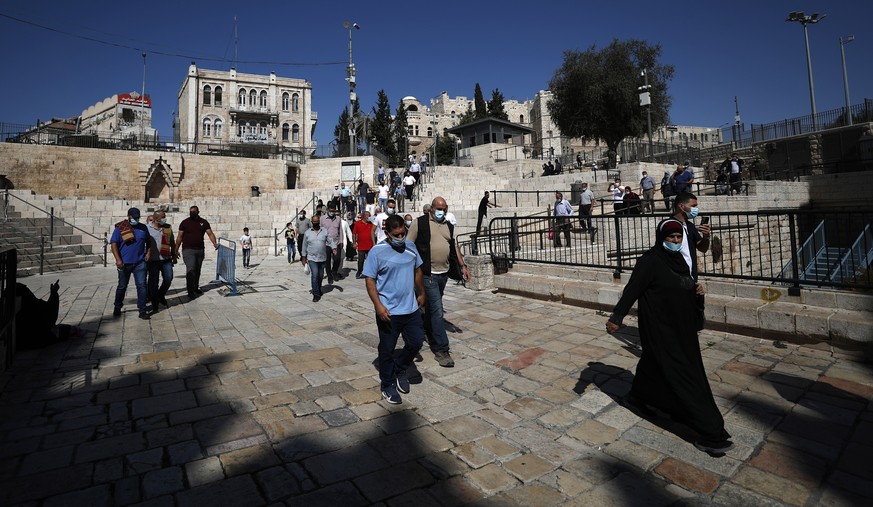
column 225, row 264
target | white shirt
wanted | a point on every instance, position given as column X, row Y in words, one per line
column 686, row 248
column 450, row 218
column 246, row 241
column 380, row 230
column 409, row 180
column 415, row 168
column 383, row 191
column 735, row 167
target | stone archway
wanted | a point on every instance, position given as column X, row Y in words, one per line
column 160, row 186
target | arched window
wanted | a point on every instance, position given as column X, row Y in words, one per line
column 207, row 95
column 295, row 102
column 241, row 100
column 285, row 101
column 253, row 98
column 207, row 127
column 295, row 133
column 521, row 118
column 263, row 102
column 285, row 131
column 263, row 128
column 217, row 130
column 412, row 107
column 217, row 96
column 429, row 132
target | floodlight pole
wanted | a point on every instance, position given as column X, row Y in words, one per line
column 843, row 43
column 804, row 20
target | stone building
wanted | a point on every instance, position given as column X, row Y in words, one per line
column 232, row 111
column 121, row 116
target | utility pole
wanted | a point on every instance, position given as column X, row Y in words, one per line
column 646, row 100
column 352, row 96
column 142, row 103
column 843, row 43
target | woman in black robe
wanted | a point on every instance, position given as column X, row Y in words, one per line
column 670, row 375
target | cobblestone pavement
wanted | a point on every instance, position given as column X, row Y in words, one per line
column 268, row 398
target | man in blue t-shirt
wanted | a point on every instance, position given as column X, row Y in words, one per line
column 394, row 277
column 131, row 248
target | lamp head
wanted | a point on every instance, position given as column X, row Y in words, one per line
column 357, row 26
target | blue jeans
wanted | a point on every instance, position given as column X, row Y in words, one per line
column 316, row 273
column 410, row 326
column 289, row 243
column 164, row 269
column 247, row 256
column 434, row 326
column 138, row 271
column 362, row 203
column 383, row 203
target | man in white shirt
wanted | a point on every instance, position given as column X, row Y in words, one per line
column 379, row 233
column 383, row 190
column 563, row 212
column 409, row 183
column 415, row 171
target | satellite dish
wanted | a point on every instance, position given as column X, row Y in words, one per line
column 346, row 24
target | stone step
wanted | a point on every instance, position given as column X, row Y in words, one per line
column 816, row 315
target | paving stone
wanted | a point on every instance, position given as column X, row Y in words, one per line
column 498, row 447
column 567, row 483
column 535, row 495
column 240, row 490
column 343, row 493
column 183, row 452
column 277, row 483
column 456, row 491
column 393, row 481
column 222, row 429
column 339, row 417
column 527, row 407
column 671, row 445
column 593, row 432
column 626, row 489
column 464, row 429
column 687, row 476
column 204, row 471
column 639, row 456
column 443, row 465
column 110, row 447
column 248, row 460
column 96, row 496
column 277, row 431
column 142, row 462
column 528, row 467
column 491, row 479
column 46, row 460
column 474, row 455
column 344, row 464
column 161, row 482
column 126, row 491
column 732, row 495
column 592, row 401
column 791, row 464
column 771, row 485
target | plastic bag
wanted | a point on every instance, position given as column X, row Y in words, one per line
column 306, row 270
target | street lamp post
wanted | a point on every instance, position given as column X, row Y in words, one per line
column 142, row 103
column 804, row 19
column 351, row 79
column 843, row 43
column 646, row 100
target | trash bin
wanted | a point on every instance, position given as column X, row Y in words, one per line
column 575, row 192
column 256, row 191
column 501, row 263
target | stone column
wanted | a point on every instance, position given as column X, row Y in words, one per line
column 481, row 272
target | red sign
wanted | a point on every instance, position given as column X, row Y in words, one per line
column 127, row 99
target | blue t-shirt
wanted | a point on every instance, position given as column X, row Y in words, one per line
column 394, row 273
column 132, row 253
column 682, row 181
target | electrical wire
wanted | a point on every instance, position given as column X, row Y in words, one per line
column 164, row 53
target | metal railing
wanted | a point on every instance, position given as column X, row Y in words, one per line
column 744, row 246
column 311, row 202
column 104, row 241
column 8, row 268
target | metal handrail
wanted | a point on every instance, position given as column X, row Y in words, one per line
column 858, row 255
column 311, row 201
column 104, row 240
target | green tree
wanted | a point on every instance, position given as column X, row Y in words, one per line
column 595, row 95
column 467, row 116
column 341, row 131
column 400, row 132
column 479, row 101
column 381, row 132
column 445, row 149
column 495, row 105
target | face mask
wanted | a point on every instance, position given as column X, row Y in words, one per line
column 691, row 213
column 330, row 214
column 672, row 247
column 644, row 175
column 193, row 214
column 390, row 211
column 439, row 215
column 398, row 244
column 162, row 221
column 408, row 223
column 302, row 217
column 316, row 226
column 133, row 221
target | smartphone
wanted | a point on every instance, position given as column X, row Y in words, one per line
column 704, row 220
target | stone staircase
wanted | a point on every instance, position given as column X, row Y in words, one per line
column 839, row 317
column 29, row 236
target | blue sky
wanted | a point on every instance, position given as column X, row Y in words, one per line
column 720, row 50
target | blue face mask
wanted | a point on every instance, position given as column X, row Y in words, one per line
column 398, row 244
column 390, row 211
column 439, row 215
column 672, row 247
column 691, row 213
column 133, row 221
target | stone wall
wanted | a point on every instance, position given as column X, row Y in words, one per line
column 123, row 174
column 838, row 190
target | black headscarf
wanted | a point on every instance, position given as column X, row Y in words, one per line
column 673, row 259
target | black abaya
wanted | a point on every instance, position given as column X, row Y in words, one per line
column 670, row 375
